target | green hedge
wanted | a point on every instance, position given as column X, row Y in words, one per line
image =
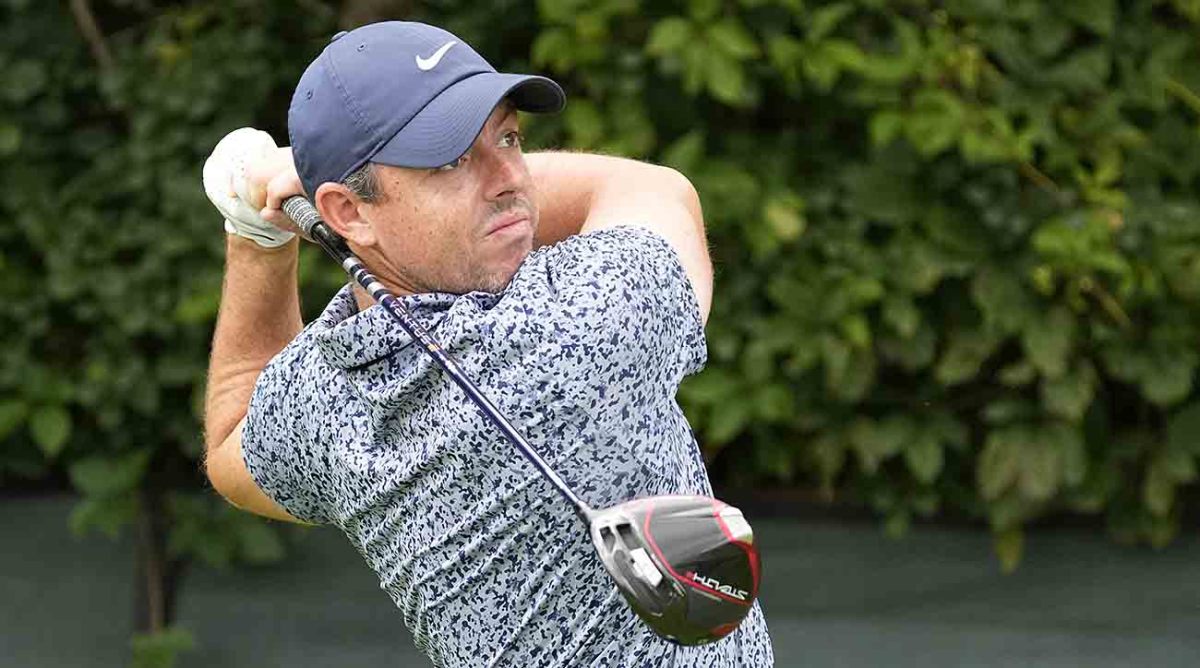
column 957, row 243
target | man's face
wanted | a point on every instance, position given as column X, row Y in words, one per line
column 463, row 227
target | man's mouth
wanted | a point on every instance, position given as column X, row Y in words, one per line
column 507, row 220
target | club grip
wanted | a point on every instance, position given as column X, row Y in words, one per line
column 303, row 213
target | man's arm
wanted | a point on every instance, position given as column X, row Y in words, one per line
column 579, row 192
column 259, row 316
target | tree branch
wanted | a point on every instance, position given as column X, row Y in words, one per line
column 86, row 21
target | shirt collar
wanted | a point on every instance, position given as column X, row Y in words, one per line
column 351, row 338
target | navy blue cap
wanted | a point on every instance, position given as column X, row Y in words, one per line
column 398, row 93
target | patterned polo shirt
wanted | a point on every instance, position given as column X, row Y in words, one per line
column 355, row 426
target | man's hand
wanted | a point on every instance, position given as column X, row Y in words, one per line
column 271, row 179
column 243, row 153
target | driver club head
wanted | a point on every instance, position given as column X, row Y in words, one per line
column 687, row 565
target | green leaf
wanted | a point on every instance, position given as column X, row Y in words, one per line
column 727, row 420
column 885, row 126
column 726, row 79
column 704, row 10
column 1188, row 8
column 1018, row 374
column 875, row 442
column 585, row 123
column 711, row 386
column 902, row 315
column 829, row 454
column 1081, row 243
column 897, row 524
column 1047, row 37
column 105, row 514
column 1095, row 15
column 12, row 416
column 1158, row 489
column 887, row 190
column 823, row 62
column 553, row 49
column 733, row 39
column 1010, row 547
column 1125, row 363
column 950, row 431
column 1070, row 395
column 1007, row 410
column 1167, row 379
column 758, row 362
column 966, row 351
column 935, row 121
column 856, row 377
column 1180, row 466
column 824, row 20
column 669, row 36
column 1086, row 70
column 890, row 67
column 161, row 649
column 1002, row 299
column 10, row 139
column 786, row 55
column 774, row 402
column 776, row 460
column 914, row 353
column 23, row 80
column 923, row 455
column 999, row 464
column 784, row 213
column 109, row 475
column 1048, row 340
column 856, row 330
column 1183, row 429
column 685, row 153
column 1067, row 440
column 1041, row 471
column 50, row 427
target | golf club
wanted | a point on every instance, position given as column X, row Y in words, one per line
column 687, row 565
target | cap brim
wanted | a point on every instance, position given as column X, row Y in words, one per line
column 448, row 125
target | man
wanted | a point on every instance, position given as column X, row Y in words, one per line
column 407, row 142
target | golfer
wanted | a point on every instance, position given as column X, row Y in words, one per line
column 572, row 288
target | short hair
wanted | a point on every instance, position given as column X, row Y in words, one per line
column 364, row 183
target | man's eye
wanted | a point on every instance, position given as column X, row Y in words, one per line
column 511, row 139
column 453, row 165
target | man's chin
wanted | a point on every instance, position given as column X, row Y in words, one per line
column 502, row 274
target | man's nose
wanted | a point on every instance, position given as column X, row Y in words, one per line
column 506, row 173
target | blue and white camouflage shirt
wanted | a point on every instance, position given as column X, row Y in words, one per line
column 352, row 425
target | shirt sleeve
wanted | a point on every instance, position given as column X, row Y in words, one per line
column 280, row 445
column 622, row 304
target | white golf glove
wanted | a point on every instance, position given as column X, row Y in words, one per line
column 226, row 186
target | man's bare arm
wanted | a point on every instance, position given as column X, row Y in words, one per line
column 259, row 316
column 578, row 192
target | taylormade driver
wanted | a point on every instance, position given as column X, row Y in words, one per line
column 687, row 565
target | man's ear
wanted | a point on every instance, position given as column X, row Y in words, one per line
column 340, row 209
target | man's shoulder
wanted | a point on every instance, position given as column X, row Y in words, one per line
column 610, row 243
column 601, row 264
column 608, row 299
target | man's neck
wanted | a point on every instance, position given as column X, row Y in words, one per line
column 364, row 300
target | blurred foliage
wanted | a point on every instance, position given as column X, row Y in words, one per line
column 162, row 649
column 957, row 242
column 111, row 270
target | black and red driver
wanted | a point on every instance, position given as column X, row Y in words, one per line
column 687, row 565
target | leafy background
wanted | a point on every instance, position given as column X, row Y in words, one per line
column 957, row 244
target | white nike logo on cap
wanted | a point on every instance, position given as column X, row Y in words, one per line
column 426, row 64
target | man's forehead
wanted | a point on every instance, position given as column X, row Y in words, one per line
column 503, row 111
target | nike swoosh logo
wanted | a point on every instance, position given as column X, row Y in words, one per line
column 426, row 64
